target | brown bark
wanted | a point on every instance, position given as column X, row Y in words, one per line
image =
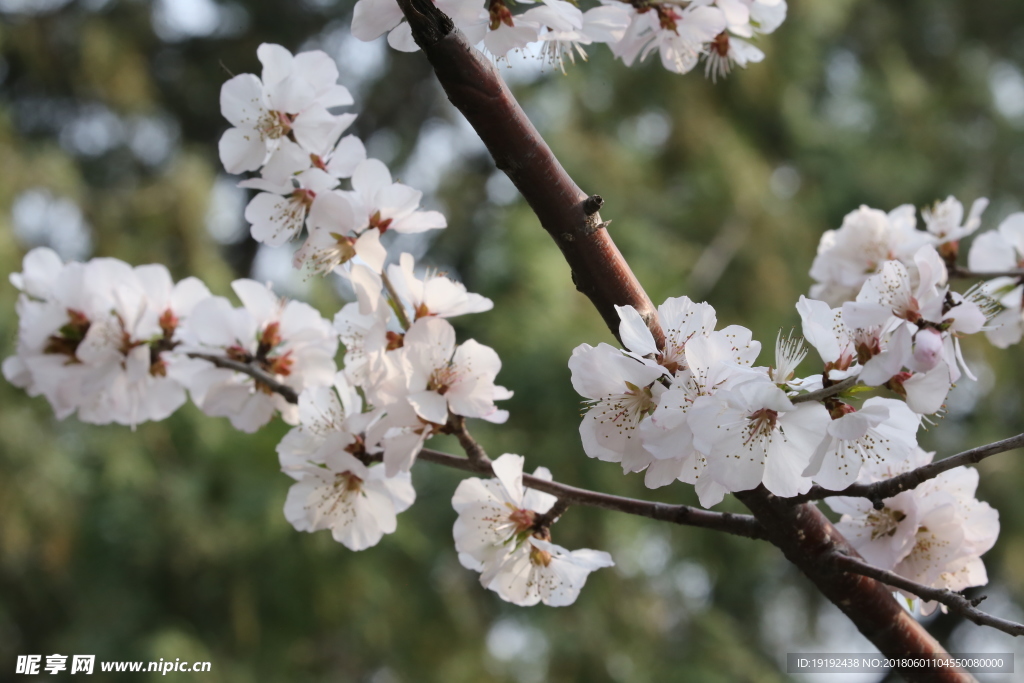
column 565, row 211
column 801, row 531
column 809, row 541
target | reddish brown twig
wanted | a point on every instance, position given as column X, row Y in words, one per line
column 739, row 525
column 964, row 606
column 254, row 371
column 887, row 488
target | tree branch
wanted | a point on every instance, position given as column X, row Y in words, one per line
column 475, row 88
column 878, row 491
column 965, row 273
column 254, row 371
column 809, row 541
column 477, row 462
column 802, row 531
column 474, row 451
column 837, row 388
column 965, row 607
column 739, row 525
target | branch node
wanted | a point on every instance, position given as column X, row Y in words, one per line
column 593, row 204
column 543, row 522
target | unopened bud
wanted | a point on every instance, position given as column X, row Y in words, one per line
column 927, row 349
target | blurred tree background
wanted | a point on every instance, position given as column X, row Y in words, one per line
column 169, row 541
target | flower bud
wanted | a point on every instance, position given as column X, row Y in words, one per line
column 927, row 349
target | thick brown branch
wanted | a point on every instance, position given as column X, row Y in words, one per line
column 963, row 606
column 877, row 492
column 254, row 371
column 739, row 525
column 802, row 532
column 475, row 88
column 810, row 542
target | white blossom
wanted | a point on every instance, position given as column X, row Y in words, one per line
column 286, row 339
column 443, row 376
column 359, row 504
column 540, row 571
column 373, row 18
column 99, row 338
column 565, row 39
column 621, row 392
column 713, row 362
column 331, row 419
column 753, row 434
column 678, row 34
column 278, row 213
column 289, row 100
column 923, row 322
column 496, row 534
column 434, row 295
column 945, row 220
column 867, row 239
column 494, row 512
column 883, row 430
column 680, row 319
column 996, row 251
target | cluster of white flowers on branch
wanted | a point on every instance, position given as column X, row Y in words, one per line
column 681, row 31
column 696, row 408
column 933, row 534
column 284, row 129
column 126, row 345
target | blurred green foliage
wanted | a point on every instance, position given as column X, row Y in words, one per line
column 169, row 541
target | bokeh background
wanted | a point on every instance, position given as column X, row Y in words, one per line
column 169, row 541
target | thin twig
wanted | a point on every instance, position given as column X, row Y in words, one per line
column 739, row 525
column 956, row 602
column 478, row 463
column 837, row 388
column 545, row 520
column 877, row 492
column 257, row 373
column 968, row 273
column 399, row 309
column 474, row 451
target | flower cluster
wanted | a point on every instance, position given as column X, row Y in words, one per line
column 934, row 534
column 405, row 377
column 682, row 32
column 116, row 343
column 869, row 239
column 127, row 345
column 283, row 127
column 698, row 410
column 99, row 338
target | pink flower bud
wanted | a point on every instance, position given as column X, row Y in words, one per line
column 927, row 349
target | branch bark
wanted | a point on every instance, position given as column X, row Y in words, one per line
column 960, row 604
column 739, row 525
column 565, row 211
column 877, row 492
column 802, row 532
column 254, row 371
column 966, row 273
column 837, row 388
